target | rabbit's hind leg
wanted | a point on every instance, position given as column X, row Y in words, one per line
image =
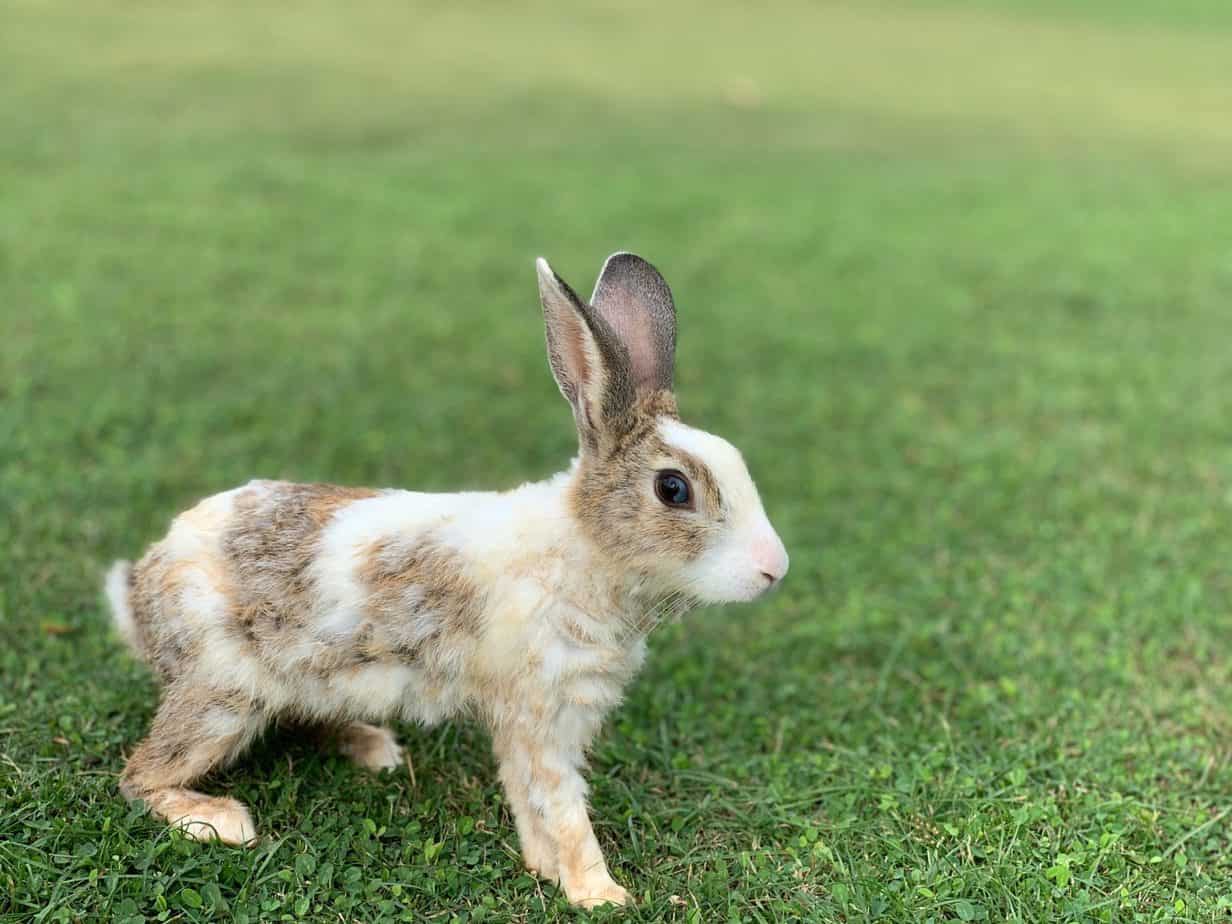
column 370, row 746
column 195, row 730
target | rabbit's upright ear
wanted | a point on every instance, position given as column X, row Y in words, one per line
column 588, row 360
column 634, row 300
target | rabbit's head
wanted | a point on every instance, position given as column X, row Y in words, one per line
column 672, row 503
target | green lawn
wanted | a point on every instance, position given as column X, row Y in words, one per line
column 956, row 277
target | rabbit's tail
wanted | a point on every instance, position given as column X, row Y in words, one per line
column 118, row 588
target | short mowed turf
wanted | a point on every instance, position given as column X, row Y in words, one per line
column 957, row 278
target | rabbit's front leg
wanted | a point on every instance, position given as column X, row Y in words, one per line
column 548, row 797
column 538, row 846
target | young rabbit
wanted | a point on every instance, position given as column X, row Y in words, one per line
column 336, row 607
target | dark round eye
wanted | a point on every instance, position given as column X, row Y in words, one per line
column 672, row 488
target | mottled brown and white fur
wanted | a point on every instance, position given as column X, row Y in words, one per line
column 337, row 607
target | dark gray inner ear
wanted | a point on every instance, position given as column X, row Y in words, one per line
column 634, row 300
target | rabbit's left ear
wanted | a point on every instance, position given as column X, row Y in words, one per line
column 634, row 300
column 588, row 360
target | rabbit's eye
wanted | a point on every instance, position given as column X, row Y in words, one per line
column 672, row 488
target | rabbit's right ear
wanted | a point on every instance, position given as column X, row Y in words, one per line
column 589, row 362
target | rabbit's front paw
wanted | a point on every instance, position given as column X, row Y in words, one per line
column 598, row 891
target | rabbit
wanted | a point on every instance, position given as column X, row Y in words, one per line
column 337, row 608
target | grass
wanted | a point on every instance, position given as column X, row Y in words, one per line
column 955, row 276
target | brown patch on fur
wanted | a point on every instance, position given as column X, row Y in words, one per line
column 655, row 404
column 157, row 585
column 419, row 595
column 640, row 421
column 271, row 542
column 699, row 475
column 571, row 628
column 612, row 501
column 145, row 597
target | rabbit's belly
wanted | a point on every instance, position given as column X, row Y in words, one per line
column 289, row 683
column 294, row 670
column 379, row 691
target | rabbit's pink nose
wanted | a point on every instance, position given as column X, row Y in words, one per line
column 770, row 558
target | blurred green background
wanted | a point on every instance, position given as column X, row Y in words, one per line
column 955, row 276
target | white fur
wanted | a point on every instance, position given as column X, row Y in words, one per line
column 748, row 557
column 116, row 589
